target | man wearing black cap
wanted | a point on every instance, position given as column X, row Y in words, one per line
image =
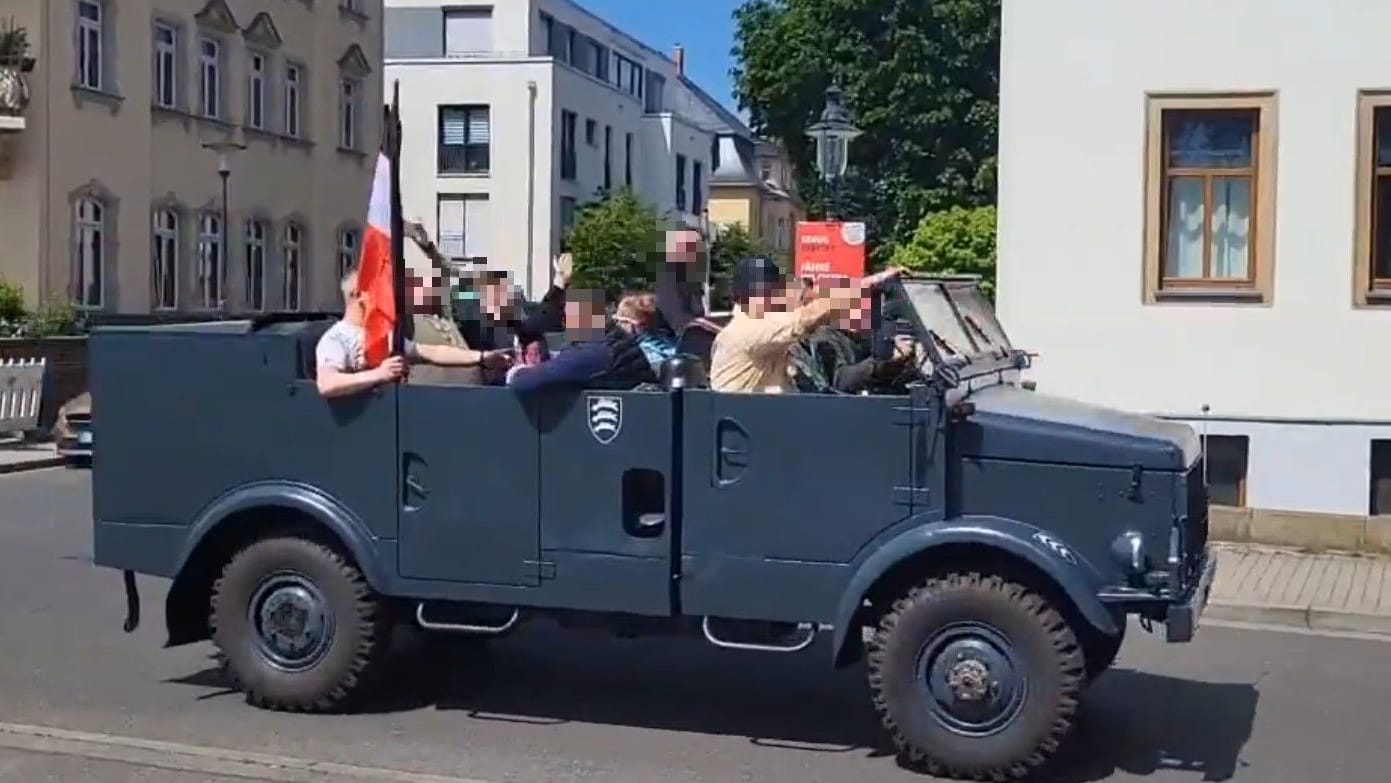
column 751, row 354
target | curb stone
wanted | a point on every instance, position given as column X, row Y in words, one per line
column 1295, row 616
column 33, row 464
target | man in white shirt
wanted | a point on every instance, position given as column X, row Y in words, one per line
column 341, row 366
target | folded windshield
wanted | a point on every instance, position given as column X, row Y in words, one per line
column 960, row 319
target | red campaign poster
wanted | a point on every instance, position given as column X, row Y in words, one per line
column 830, row 248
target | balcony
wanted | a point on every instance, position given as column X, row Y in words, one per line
column 464, row 159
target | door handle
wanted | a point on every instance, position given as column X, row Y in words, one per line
column 417, row 487
column 725, row 456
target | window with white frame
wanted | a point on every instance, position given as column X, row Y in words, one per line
column 293, row 76
column 166, row 66
column 347, row 114
column 256, row 90
column 293, row 253
column 463, row 226
column 164, row 260
column 464, row 140
column 348, row 242
column 256, row 264
column 210, row 257
column 210, row 77
column 89, row 229
column 91, row 44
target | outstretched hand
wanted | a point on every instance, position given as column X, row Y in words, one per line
column 564, row 270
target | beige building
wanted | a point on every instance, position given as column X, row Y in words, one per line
column 110, row 198
column 752, row 185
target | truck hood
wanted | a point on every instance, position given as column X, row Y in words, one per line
column 1016, row 424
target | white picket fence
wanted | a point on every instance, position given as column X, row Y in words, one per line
column 21, row 393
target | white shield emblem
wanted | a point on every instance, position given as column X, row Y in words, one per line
column 605, row 417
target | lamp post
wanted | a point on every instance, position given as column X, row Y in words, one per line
column 832, row 134
column 224, row 150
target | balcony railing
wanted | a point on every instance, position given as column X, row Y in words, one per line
column 464, row 159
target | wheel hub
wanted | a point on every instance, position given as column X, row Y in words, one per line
column 974, row 684
column 292, row 622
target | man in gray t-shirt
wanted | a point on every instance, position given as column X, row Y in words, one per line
column 340, row 364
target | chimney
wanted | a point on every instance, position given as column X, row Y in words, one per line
column 678, row 56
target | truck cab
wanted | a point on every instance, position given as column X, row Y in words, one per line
column 976, row 542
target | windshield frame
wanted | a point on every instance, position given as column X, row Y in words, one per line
column 978, row 356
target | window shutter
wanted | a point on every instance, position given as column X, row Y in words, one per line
column 468, row 32
column 453, row 126
column 478, row 126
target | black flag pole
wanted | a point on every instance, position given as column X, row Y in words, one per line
column 391, row 135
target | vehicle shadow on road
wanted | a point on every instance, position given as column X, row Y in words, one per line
column 1141, row 723
column 1131, row 722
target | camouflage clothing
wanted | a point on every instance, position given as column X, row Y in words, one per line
column 817, row 360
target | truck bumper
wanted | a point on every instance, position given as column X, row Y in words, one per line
column 1181, row 619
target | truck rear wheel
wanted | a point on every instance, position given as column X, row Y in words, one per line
column 975, row 677
column 297, row 625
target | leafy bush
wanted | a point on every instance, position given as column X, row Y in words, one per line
column 732, row 243
column 51, row 320
column 616, row 242
column 958, row 241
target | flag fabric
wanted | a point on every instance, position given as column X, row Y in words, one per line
column 375, row 272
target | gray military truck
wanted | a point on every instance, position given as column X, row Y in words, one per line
column 979, row 544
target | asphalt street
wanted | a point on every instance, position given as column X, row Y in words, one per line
column 82, row 701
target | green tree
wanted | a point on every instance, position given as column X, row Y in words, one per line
column 921, row 78
column 615, row 242
column 958, row 241
column 731, row 243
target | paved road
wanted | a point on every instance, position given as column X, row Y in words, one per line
column 1245, row 705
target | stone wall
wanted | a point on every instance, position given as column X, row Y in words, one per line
column 67, row 369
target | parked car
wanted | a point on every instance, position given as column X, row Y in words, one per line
column 72, row 431
column 977, row 543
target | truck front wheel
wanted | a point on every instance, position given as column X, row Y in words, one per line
column 297, row 625
column 975, row 677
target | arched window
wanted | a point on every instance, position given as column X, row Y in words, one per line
column 89, row 229
column 256, row 264
column 164, row 260
column 210, row 259
column 294, row 265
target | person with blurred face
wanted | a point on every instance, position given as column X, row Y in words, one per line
column 430, row 317
column 599, row 355
column 838, row 355
column 680, row 284
column 752, row 353
column 501, row 321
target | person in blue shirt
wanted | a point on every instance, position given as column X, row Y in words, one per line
column 600, row 355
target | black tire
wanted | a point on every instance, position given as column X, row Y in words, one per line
column 346, row 657
column 979, row 628
column 1101, row 651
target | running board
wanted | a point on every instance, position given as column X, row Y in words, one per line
column 482, row 630
column 810, row 629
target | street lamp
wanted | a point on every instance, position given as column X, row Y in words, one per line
column 832, row 135
column 224, row 150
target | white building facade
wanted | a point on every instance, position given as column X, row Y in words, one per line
column 517, row 112
column 1195, row 212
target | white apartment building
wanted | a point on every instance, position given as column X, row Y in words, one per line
column 517, row 112
column 1195, row 211
column 109, row 197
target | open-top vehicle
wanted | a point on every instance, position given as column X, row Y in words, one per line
column 978, row 543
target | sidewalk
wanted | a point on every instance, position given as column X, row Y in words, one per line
column 1335, row 592
column 16, row 456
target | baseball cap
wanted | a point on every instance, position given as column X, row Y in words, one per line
column 755, row 275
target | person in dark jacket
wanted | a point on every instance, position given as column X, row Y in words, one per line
column 600, row 355
column 680, row 281
column 500, row 319
column 838, row 357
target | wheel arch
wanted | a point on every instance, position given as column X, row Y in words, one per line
column 994, row 544
column 247, row 514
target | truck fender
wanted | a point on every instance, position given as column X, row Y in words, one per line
column 1069, row 571
column 313, row 502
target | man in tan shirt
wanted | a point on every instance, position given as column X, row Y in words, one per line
column 751, row 354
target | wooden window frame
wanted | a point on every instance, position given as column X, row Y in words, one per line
column 1367, row 292
column 1258, row 289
